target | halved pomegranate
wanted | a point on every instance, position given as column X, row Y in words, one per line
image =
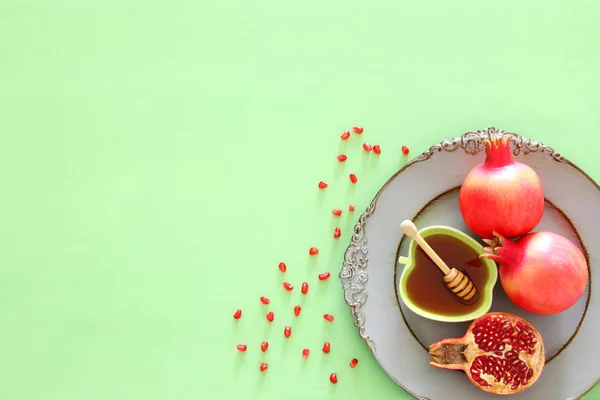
column 501, row 353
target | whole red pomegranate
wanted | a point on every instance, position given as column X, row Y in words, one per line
column 501, row 194
column 541, row 272
column 500, row 353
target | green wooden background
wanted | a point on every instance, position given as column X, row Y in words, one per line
column 159, row 158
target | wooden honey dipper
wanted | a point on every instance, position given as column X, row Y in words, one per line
column 459, row 284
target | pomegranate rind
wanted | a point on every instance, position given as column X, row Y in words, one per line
column 466, row 354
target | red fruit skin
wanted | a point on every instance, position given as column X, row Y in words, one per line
column 542, row 272
column 444, row 350
column 501, row 195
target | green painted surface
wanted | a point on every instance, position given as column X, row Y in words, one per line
column 159, row 158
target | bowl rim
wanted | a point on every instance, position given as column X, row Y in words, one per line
column 487, row 290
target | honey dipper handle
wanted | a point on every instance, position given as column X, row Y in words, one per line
column 410, row 230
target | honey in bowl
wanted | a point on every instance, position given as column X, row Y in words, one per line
column 425, row 284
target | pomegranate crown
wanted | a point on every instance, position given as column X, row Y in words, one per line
column 498, row 151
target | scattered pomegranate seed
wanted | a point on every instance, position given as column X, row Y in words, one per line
column 351, row 207
column 342, row 158
column 297, row 310
column 242, row 347
column 328, row 317
column 264, row 300
column 358, row 129
column 336, row 212
column 405, row 149
column 345, row 135
column 313, row 251
column 288, row 286
column 282, row 267
column 326, row 347
column 270, row 316
column 287, row 331
column 337, row 233
column 304, row 287
column 237, row 314
column 264, row 346
column 324, row 275
column 305, row 353
column 376, row 149
column 353, row 363
column 322, row 185
column 263, row 367
column 367, row 147
column 353, row 178
column 333, row 378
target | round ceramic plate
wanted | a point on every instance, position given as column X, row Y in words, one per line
column 426, row 191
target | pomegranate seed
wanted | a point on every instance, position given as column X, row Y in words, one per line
column 288, row 286
column 353, row 363
column 242, row 347
column 333, row 378
column 282, row 267
column 342, row 158
column 328, row 317
column 376, row 149
column 405, row 149
column 263, row 367
column 305, row 353
column 336, row 212
column 345, row 135
column 326, row 347
column 353, row 178
column 237, row 314
column 358, row 129
column 367, row 147
column 297, row 310
column 304, row 287
column 287, row 331
column 322, row 185
column 337, row 233
column 264, row 346
column 313, row 251
column 270, row 316
column 324, row 275
column 351, row 207
column 264, row 300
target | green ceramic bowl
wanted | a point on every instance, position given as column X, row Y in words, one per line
column 486, row 292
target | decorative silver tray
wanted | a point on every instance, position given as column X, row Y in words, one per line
column 399, row 339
